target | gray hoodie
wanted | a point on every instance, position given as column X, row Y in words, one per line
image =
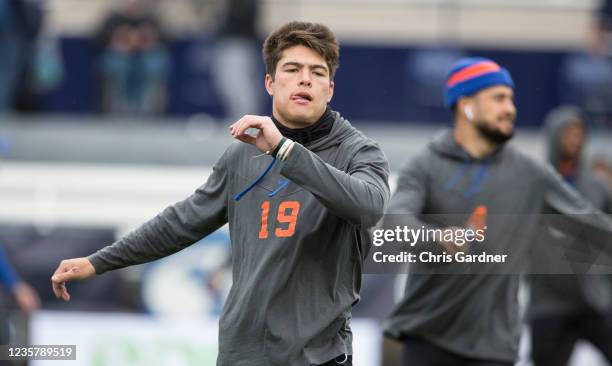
column 568, row 294
column 297, row 249
column 476, row 315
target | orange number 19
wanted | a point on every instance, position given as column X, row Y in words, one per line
column 287, row 214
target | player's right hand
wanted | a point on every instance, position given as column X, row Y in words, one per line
column 68, row 270
column 267, row 137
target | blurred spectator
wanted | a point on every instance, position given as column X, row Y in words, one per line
column 44, row 73
column 586, row 77
column 236, row 66
column 568, row 308
column 25, row 296
column 133, row 61
column 20, row 22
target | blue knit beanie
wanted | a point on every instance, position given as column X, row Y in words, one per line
column 472, row 74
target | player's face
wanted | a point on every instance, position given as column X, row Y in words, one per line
column 494, row 113
column 300, row 88
column 572, row 140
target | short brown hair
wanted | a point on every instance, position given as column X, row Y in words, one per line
column 315, row 36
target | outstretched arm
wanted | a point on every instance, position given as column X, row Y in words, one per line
column 177, row 227
column 575, row 215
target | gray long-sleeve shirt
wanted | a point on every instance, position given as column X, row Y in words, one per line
column 477, row 315
column 297, row 255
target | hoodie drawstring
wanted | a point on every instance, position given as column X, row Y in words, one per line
column 282, row 184
column 479, row 177
column 259, row 179
column 459, row 173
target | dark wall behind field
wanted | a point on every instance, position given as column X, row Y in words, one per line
column 374, row 83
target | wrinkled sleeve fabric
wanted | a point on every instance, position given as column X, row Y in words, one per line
column 359, row 195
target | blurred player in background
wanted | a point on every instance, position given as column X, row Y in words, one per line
column 25, row 296
column 566, row 308
column 473, row 319
column 20, row 24
column 236, row 58
column 298, row 238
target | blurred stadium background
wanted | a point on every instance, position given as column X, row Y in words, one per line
column 114, row 109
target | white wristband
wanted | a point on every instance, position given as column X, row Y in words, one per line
column 283, row 149
column 287, row 151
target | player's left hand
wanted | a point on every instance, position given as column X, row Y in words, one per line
column 267, row 137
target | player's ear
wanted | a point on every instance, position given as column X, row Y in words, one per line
column 268, row 82
column 464, row 107
column 469, row 112
column 331, row 91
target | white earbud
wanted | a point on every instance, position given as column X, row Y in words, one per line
column 468, row 112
